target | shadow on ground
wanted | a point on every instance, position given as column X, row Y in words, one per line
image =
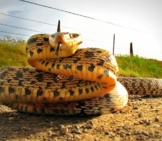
column 15, row 125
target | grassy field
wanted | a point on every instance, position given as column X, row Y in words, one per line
column 12, row 53
column 139, row 67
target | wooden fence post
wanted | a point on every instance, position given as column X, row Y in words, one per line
column 113, row 44
column 131, row 49
column 58, row 27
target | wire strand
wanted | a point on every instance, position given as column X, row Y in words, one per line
column 14, row 33
column 19, row 27
column 31, row 20
column 88, row 17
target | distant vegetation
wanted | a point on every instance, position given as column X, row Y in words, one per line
column 12, row 53
column 139, row 67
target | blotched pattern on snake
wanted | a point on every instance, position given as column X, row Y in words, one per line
column 69, row 81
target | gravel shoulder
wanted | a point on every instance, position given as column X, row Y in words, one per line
column 140, row 120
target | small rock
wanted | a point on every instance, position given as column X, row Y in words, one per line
column 156, row 125
column 135, row 108
column 69, row 137
column 77, row 137
column 77, row 131
column 63, row 130
column 96, row 139
column 141, row 122
column 89, row 125
column 77, row 127
column 14, row 114
column 128, row 133
column 106, row 132
column 25, row 128
column 140, row 115
column 136, row 123
column 156, row 119
column 151, row 106
column 51, row 123
column 147, row 121
column 49, row 132
column 145, row 133
column 136, row 132
column 11, row 118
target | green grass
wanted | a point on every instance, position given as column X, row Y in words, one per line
column 12, row 53
column 139, row 67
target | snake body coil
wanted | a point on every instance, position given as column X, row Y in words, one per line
column 68, row 80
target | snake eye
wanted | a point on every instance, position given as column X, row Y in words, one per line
column 73, row 35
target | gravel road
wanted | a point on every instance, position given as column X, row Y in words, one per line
column 140, row 120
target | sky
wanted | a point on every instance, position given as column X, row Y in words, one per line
column 136, row 21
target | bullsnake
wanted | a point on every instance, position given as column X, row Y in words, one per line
column 69, row 81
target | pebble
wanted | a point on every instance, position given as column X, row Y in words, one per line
column 77, row 137
column 136, row 132
column 157, row 125
column 63, row 130
column 15, row 114
column 89, row 125
column 156, row 119
column 135, row 108
column 145, row 133
column 135, row 125
column 107, row 133
column 49, row 132
column 11, row 118
column 69, row 137
column 140, row 115
column 77, row 131
column 145, row 121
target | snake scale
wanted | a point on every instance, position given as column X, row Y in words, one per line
column 69, row 81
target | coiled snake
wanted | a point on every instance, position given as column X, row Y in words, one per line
column 68, row 80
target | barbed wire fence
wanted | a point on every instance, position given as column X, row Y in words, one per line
column 88, row 42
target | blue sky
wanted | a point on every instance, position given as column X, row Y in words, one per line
column 137, row 21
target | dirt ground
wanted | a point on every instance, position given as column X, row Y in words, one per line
column 140, row 120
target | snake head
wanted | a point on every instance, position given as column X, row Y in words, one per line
column 65, row 43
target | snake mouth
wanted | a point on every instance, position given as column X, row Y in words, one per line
column 79, row 43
